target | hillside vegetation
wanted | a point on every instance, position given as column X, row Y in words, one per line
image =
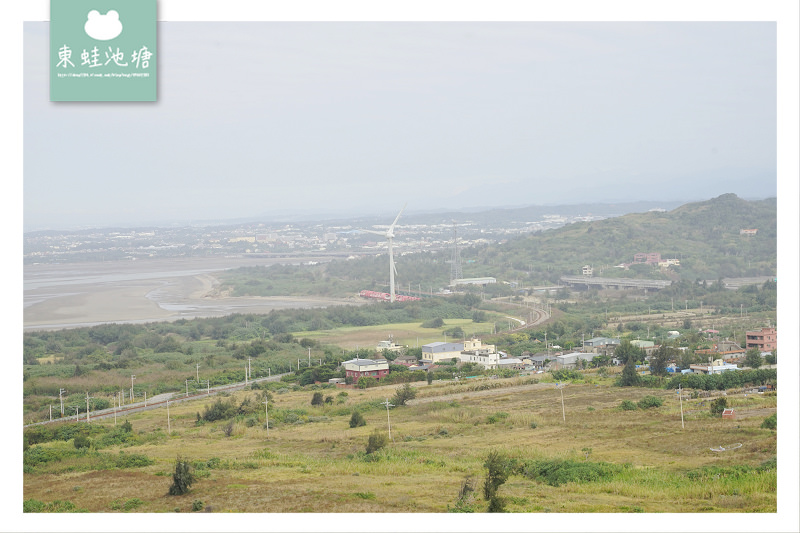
column 704, row 236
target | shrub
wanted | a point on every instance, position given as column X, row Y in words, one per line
column 182, row 479
column 317, row 399
column 376, row 441
column 555, row 472
column 496, row 474
column 219, row 410
column 197, row 505
column 82, row 441
column 357, row 420
column 771, row 422
column 433, row 323
column 403, row 394
column 650, row 401
column 718, row 406
column 466, row 499
column 627, row 405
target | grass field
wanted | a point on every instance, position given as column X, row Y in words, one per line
column 409, row 334
column 312, row 461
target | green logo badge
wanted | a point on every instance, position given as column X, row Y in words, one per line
column 103, row 50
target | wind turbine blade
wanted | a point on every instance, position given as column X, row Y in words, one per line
column 381, row 233
column 398, row 217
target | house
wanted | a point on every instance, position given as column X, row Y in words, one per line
column 716, row 367
column 482, row 357
column 405, row 360
column 513, row 363
column 439, row 351
column 723, row 349
column 358, row 368
column 764, row 339
column 570, row 360
column 388, row 345
column 601, row 345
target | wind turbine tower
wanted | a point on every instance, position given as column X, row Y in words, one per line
column 455, row 261
column 389, row 234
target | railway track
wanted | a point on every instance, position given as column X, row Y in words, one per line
column 154, row 403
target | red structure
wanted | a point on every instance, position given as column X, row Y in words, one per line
column 765, row 339
column 387, row 297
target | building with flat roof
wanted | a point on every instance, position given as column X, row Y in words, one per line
column 438, row 351
column 764, row 340
column 358, row 368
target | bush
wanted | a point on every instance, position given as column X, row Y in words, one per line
column 197, row 505
column 82, row 441
column 627, row 405
column 771, row 422
column 650, row 401
column 317, row 399
column 357, row 420
column 496, row 474
column 376, row 441
column 219, row 410
column 718, row 406
column 182, row 479
column 555, row 472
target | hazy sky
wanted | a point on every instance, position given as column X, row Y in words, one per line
column 259, row 118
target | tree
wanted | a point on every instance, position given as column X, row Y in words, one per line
column 317, row 399
column 629, row 377
column 658, row 361
column 625, row 351
column 753, row 358
column 429, row 377
column 403, row 394
column 182, row 478
column 772, row 358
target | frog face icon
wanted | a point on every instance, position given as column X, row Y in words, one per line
column 103, row 27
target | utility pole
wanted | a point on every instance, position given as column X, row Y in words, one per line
column 198, row 372
column 388, row 421
column 563, row 411
column 266, row 414
column 249, row 369
column 51, row 413
column 169, row 427
column 309, row 357
column 61, row 400
column 680, row 397
column 87, row 405
column 77, row 409
column 187, row 387
column 115, row 409
column 132, row 378
column 208, row 389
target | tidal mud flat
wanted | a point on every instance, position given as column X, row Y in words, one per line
column 86, row 294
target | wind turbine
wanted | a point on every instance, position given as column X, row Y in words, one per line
column 389, row 234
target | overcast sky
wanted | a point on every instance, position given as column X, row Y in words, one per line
column 258, row 118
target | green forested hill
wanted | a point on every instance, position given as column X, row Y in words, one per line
column 704, row 236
